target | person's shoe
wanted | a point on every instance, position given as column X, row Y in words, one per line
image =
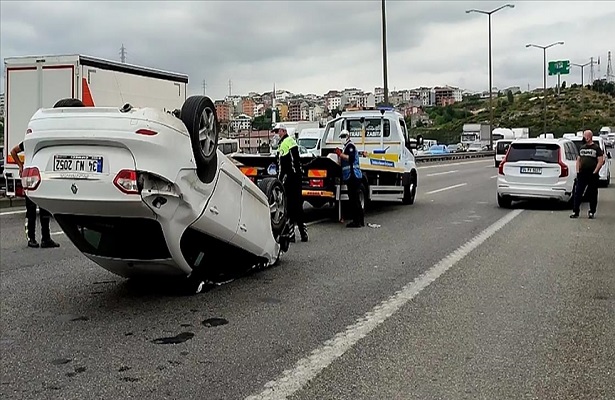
column 49, row 243
column 303, row 233
column 32, row 243
column 574, row 215
column 591, row 215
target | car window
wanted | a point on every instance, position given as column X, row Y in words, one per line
column 545, row 152
column 502, row 147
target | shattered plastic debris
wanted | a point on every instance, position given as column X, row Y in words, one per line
column 373, row 225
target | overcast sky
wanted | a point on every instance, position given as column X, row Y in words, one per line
column 313, row 46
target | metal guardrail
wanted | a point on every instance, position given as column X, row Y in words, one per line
column 454, row 156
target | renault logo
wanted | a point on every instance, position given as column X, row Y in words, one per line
column 74, row 188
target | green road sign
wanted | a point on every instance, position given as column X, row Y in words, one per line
column 559, row 67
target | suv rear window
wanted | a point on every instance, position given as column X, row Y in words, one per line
column 545, row 152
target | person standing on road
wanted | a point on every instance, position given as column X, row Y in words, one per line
column 589, row 163
column 44, row 215
column 351, row 175
column 291, row 176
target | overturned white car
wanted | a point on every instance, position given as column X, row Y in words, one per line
column 146, row 191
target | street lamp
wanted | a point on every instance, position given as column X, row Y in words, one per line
column 384, row 55
column 583, row 87
column 544, row 100
column 490, row 68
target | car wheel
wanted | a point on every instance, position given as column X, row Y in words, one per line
column 198, row 114
column 410, row 192
column 276, row 196
column 504, row 201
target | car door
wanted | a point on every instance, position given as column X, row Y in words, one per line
column 220, row 218
column 254, row 230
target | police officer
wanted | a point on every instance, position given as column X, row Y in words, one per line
column 589, row 163
column 44, row 215
column 351, row 175
column 291, row 176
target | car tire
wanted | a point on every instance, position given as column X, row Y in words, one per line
column 410, row 191
column 278, row 206
column 68, row 102
column 504, row 201
column 198, row 113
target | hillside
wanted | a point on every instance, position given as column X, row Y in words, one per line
column 574, row 109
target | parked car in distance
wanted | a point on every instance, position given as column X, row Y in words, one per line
column 605, row 171
column 537, row 168
column 437, row 149
column 501, row 146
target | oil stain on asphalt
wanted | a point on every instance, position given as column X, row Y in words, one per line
column 211, row 322
column 181, row 338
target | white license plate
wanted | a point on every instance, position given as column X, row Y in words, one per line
column 73, row 163
column 531, row 170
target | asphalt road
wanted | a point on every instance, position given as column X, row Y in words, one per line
column 449, row 298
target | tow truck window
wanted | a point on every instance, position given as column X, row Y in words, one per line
column 404, row 130
column 372, row 127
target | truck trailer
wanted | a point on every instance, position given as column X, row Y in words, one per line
column 35, row 82
column 475, row 133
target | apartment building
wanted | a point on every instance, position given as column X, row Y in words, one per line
column 240, row 123
column 223, row 110
column 2, row 105
column 247, row 106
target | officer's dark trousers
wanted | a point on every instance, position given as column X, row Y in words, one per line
column 44, row 216
column 354, row 189
column 292, row 186
column 587, row 181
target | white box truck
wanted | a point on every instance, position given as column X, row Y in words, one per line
column 34, row 82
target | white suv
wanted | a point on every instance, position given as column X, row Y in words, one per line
column 537, row 168
column 605, row 172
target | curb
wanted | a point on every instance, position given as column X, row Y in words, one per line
column 11, row 202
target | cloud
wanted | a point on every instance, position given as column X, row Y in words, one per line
column 314, row 46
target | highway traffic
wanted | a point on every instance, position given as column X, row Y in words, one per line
column 451, row 298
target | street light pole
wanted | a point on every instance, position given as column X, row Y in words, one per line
column 490, row 68
column 583, row 90
column 384, row 55
column 544, row 100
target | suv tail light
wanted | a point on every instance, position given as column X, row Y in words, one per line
column 564, row 168
column 126, row 181
column 501, row 166
column 30, row 178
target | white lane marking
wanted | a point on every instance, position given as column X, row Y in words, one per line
column 442, row 173
column 453, row 164
column 12, row 212
column 494, row 176
column 309, row 367
column 446, row 188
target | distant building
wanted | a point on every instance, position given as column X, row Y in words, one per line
column 2, row 105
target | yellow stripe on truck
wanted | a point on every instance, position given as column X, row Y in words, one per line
column 317, row 193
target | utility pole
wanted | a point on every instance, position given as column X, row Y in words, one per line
column 123, row 53
column 384, row 55
column 488, row 13
column 230, row 87
column 591, row 71
column 582, row 66
column 204, row 87
column 544, row 100
column 610, row 75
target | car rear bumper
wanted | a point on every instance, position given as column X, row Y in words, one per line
column 524, row 191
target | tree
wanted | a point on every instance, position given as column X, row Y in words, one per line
column 511, row 97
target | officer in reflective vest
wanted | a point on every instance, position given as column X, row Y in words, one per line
column 351, row 175
column 291, row 176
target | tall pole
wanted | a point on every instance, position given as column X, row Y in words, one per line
column 582, row 66
column 490, row 91
column 544, row 100
column 490, row 68
column 544, row 96
column 384, row 55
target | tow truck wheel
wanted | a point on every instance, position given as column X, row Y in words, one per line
column 410, row 192
column 198, row 113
